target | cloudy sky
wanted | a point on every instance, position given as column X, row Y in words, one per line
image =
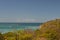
column 29, row 10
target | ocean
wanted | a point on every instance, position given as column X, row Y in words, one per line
column 6, row 27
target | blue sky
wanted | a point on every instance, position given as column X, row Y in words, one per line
column 29, row 10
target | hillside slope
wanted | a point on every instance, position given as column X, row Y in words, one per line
column 50, row 30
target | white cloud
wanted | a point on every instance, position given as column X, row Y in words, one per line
column 17, row 20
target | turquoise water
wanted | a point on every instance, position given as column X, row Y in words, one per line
column 6, row 27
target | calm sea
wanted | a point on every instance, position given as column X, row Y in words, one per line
column 6, row 27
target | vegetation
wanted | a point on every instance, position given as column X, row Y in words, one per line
column 48, row 31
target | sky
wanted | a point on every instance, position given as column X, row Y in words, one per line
column 29, row 10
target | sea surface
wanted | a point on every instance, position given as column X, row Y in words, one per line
column 6, row 27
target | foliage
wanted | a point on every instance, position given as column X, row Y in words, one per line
column 1, row 37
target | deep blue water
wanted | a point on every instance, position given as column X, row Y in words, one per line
column 5, row 27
